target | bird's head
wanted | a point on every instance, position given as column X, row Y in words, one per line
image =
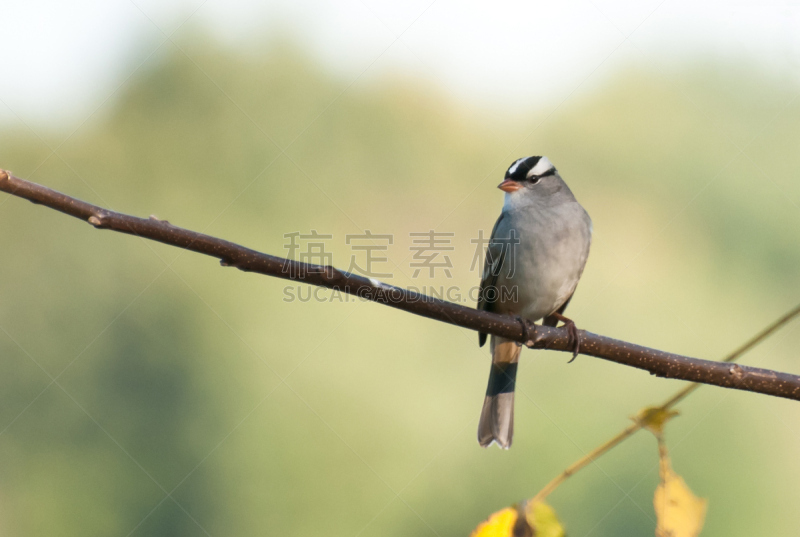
column 526, row 174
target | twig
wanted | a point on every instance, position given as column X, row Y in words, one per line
column 659, row 363
column 584, row 461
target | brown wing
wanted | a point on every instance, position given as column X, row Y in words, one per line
column 492, row 266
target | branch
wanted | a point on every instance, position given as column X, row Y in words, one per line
column 659, row 363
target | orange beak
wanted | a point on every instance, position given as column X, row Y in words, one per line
column 509, row 186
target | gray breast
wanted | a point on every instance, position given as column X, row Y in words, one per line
column 547, row 263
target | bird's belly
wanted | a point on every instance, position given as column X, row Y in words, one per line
column 534, row 297
column 544, row 276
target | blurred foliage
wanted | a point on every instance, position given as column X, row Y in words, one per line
column 148, row 391
column 523, row 520
column 499, row 524
column 680, row 513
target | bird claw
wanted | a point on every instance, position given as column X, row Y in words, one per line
column 527, row 328
column 573, row 338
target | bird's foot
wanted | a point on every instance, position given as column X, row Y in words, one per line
column 574, row 340
column 528, row 332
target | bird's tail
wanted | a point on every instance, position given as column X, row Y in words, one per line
column 497, row 417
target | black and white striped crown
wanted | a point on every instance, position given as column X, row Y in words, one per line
column 526, row 167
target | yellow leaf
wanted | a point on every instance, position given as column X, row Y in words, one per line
column 543, row 519
column 500, row 524
column 654, row 418
column 680, row 513
column 538, row 519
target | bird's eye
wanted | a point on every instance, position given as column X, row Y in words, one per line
column 533, row 179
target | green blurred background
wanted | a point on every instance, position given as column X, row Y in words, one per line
column 147, row 391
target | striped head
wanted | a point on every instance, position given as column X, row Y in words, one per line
column 526, row 171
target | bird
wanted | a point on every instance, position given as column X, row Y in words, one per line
column 534, row 260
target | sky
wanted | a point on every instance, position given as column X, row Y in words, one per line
column 61, row 60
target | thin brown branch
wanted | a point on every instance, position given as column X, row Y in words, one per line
column 732, row 357
column 659, row 363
